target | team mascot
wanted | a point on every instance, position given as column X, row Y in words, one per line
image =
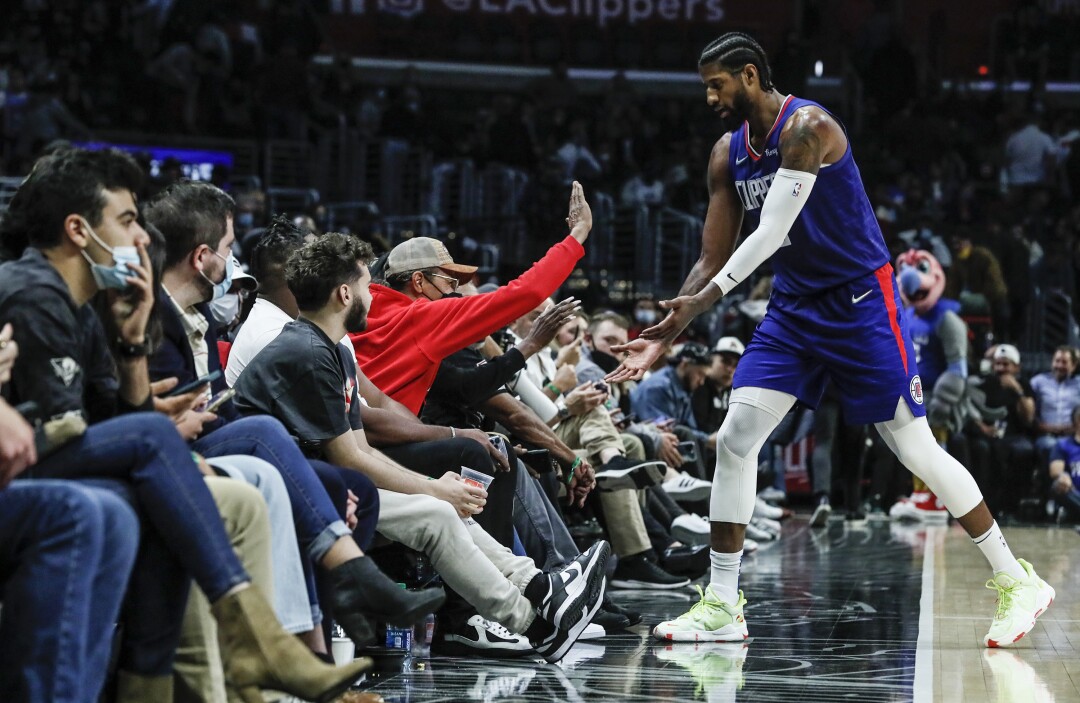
column 939, row 336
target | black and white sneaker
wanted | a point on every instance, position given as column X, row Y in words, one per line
column 639, row 572
column 478, row 636
column 576, row 588
column 557, row 643
column 820, row 518
column 622, row 473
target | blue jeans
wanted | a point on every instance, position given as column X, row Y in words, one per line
column 295, row 603
column 182, row 536
column 538, row 523
column 66, row 551
column 338, row 482
column 318, row 524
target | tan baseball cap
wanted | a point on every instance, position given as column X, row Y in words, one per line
column 423, row 253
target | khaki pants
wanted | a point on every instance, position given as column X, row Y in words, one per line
column 486, row 574
column 198, row 673
column 590, row 434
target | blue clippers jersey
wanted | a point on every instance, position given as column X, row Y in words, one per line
column 836, row 237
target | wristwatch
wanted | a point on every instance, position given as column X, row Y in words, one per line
column 132, row 351
column 563, row 412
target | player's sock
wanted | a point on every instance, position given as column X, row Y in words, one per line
column 725, row 574
column 995, row 549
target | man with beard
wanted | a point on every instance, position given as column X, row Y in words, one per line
column 195, row 220
column 666, row 394
column 307, row 379
column 834, row 314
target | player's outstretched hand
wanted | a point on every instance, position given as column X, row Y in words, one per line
column 681, row 311
column 641, row 354
column 579, row 218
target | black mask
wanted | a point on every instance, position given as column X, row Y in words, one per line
column 605, row 361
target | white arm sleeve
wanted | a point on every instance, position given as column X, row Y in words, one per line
column 532, row 396
column 783, row 203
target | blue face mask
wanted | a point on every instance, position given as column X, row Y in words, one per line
column 111, row 277
column 222, row 288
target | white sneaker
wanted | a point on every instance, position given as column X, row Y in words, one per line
column 758, row 534
column 1019, row 604
column 592, row 632
column 710, row 620
column 923, row 507
column 767, row 524
column 686, row 487
column 749, row 546
column 763, row 509
column 691, row 529
column 479, row 636
column 773, row 495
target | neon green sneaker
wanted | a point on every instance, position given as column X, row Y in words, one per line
column 710, row 620
column 1019, row 603
column 717, row 667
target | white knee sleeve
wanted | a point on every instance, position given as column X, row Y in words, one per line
column 913, row 443
column 753, row 415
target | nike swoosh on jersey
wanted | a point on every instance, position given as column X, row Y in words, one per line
column 855, row 300
column 739, row 161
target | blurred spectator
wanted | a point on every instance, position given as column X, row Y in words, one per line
column 1030, row 154
column 666, row 395
column 1013, row 452
column 1057, row 394
column 710, row 399
column 975, row 279
column 1065, row 469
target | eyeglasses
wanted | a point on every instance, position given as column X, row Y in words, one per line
column 453, row 281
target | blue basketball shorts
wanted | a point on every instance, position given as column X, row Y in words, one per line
column 855, row 335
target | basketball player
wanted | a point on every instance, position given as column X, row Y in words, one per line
column 787, row 167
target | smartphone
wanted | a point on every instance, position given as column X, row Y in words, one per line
column 197, row 383
column 220, row 399
column 688, row 451
column 539, row 460
column 497, row 442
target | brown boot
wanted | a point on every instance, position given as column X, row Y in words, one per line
column 257, row 653
column 133, row 688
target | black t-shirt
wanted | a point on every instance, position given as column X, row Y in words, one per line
column 710, row 406
column 998, row 396
column 305, row 380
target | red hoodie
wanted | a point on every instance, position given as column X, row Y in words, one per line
column 406, row 339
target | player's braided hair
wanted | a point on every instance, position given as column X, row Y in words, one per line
column 735, row 50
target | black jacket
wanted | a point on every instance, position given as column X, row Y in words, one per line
column 174, row 356
column 64, row 362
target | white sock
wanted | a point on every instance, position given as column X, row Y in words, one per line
column 997, row 552
column 725, row 575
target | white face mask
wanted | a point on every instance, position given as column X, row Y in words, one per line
column 226, row 309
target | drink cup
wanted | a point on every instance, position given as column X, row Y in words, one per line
column 475, row 478
column 343, row 650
